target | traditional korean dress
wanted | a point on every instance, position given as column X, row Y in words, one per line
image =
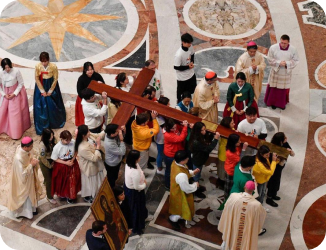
column 14, row 113
column 83, row 82
column 49, row 111
column 239, row 98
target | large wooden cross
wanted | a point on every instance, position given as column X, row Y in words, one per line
column 133, row 99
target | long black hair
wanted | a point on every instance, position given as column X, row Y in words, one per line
column 278, row 139
column 232, row 141
column 196, row 134
column 86, row 66
column 121, row 77
column 261, row 151
column 46, row 135
column 82, row 131
column 226, row 121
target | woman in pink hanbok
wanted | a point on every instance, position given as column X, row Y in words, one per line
column 14, row 111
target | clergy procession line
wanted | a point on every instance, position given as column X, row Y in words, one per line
column 100, row 147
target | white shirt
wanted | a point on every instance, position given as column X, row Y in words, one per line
column 183, row 181
column 157, row 84
column 93, row 112
column 256, row 128
column 134, row 178
column 183, row 58
column 63, row 152
column 10, row 79
column 159, row 138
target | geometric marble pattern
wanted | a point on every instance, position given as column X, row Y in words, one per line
column 136, row 60
column 72, row 216
column 316, row 13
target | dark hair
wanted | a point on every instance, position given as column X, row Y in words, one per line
column 232, row 141
column 194, row 111
column 4, row 62
column 255, row 47
column 111, row 129
column 241, row 76
column 180, row 155
column 97, row 226
column 164, row 100
column 251, row 111
column 65, row 135
column 187, row 38
column 248, row 161
column 149, row 62
column 82, row 131
column 261, row 151
column 117, row 191
column 26, row 145
column 196, row 134
column 121, row 77
column 226, row 121
column 132, row 158
column 278, row 139
column 116, row 103
column 285, row 37
column 142, row 118
column 87, row 93
column 44, row 57
column 169, row 123
column 86, row 66
column 185, row 94
column 46, row 135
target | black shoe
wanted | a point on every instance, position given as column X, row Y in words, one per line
column 200, row 195
column 150, row 166
column 262, row 232
column 272, row 203
column 201, row 189
column 175, row 225
column 151, row 159
column 276, row 198
column 283, row 108
column 70, row 201
column 273, row 107
column 88, row 199
column 35, row 213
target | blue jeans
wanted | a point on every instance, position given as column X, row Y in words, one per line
column 168, row 162
column 159, row 157
column 197, row 176
column 261, row 188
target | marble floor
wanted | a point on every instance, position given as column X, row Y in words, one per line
column 118, row 36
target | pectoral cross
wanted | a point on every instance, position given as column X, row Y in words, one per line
column 133, row 99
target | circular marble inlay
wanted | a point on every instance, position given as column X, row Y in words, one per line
column 320, row 74
column 225, row 19
column 72, row 31
column 160, row 241
column 320, row 139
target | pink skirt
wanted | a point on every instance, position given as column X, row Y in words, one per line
column 276, row 97
column 14, row 113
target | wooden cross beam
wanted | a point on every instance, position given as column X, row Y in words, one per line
column 146, row 104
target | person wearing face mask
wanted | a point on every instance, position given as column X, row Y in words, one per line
column 240, row 96
column 207, row 96
column 14, row 111
column 282, row 58
column 48, row 108
column 84, row 80
column 252, row 63
column 66, row 176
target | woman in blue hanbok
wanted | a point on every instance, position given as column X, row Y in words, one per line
column 49, row 110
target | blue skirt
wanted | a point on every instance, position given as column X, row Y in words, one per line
column 49, row 112
column 137, row 204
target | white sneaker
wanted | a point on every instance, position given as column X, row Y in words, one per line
column 52, row 201
column 267, row 210
column 161, row 172
column 149, row 218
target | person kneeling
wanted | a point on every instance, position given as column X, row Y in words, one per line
column 181, row 192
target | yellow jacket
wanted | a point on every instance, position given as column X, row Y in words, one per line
column 142, row 135
column 261, row 173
